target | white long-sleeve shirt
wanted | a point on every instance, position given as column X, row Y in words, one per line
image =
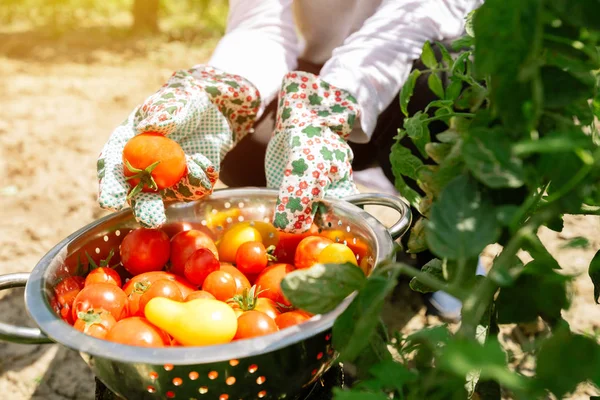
column 367, row 46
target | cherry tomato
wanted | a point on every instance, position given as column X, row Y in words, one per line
column 101, row 295
column 308, row 251
column 103, row 275
column 66, row 313
column 138, row 331
column 160, row 288
column 220, row 284
column 199, row 294
column 267, row 306
column 233, row 238
column 95, row 323
column 248, row 301
column 254, row 323
column 154, row 161
column 135, row 288
column 336, row 253
column 269, row 282
column 268, row 233
column 173, row 228
column 144, row 250
column 184, row 244
column 241, row 282
column 251, row 258
column 291, row 318
column 67, row 289
column 201, row 263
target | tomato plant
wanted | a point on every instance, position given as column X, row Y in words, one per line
column 509, row 148
column 153, row 162
column 138, row 331
column 104, row 296
column 95, row 323
column 184, row 244
column 201, row 263
column 144, row 250
column 254, row 323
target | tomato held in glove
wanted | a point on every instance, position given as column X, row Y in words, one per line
column 184, row 244
column 268, row 282
column 308, row 251
column 200, row 264
column 101, row 295
column 200, row 322
column 138, row 331
column 145, row 250
column 254, row 323
column 153, row 162
column 96, row 323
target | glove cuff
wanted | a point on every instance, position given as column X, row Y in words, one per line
column 307, row 100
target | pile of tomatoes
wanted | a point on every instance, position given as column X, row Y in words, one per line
column 190, row 290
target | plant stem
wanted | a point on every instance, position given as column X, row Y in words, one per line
column 424, row 278
column 578, row 177
column 470, row 115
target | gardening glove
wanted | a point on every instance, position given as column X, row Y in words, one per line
column 308, row 157
column 206, row 112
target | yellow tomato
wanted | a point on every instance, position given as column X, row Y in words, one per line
column 234, row 238
column 199, row 322
column 213, row 220
column 336, row 253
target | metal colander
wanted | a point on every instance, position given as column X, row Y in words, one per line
column 278, row 366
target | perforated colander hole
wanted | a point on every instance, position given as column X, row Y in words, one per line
column 153, row 375
column 241, row 218
column 230, row 381
column 353, row 240
column 267, row 219
column 241, row 204
column 177, row 381
column 328, row 336
column 170, row 394
column 151, row 389
column 202, row 390
column 340, row 223
column 260, row 380
column 348, row 229
column 105, row 238
column 224, row 397
column 212, row 375
column 194, row 375
column 97, row 250
column 203, row 222
column 214, row 211
column 168, row 367
column 313, row 372
column 253, row 368
column 229, row 220
column 227, row 205
column 262, row 394
column 319, row 356
column 233, row 363
column 117, row 233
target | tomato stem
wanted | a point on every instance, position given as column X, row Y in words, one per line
column 145, row 177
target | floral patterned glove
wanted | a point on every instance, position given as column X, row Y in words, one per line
column 308, row 157
column 206, row 112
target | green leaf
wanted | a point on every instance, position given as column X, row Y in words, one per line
column 469, row 24
column 407, row 192
column 462, row 222
column 417, row 128
column 557, row 143
column 576, row 356
column 391, row 375
column 454, row 89
column 594, row 273
column 461, row 356
column 322, row 288
column 435, row 85
column 446, row 57
column 404, row 162
column 407, row 90
column 434, row 268
column 416, row 240
column 355, row 326
column 462, row 43
column 487, row 153
column 538, row 291
column 561, row 88
column 438, row 151
column 581, row 13
column 341, row 394
column 471, row 98
column 428, row 56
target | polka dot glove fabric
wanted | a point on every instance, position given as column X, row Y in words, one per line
column 308, row 158
column 206, row 112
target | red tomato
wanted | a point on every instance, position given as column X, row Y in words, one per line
column 269, row 282
column 160, row 288
column 254, row 323
column 135, row 288
column 101, row 295
column 199, row 294
column 251, row 258
column 67, row 290
column 144, row 250
column 103, row 275
column 220, row 284
column 184, row 244
column 267, row 306
column 95, row 323
column 138, row 331
column 66, row 313
column 248, row 301
column 288, row 242
column 308, row 251
column 173, row 228
column 154, row 161
column 241, row 282
column 291, row 318
column 201, row 263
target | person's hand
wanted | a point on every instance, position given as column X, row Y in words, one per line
column 308, row 158
column 206, row 112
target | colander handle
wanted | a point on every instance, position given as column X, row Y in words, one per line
column 19, row 334
column 380, row 199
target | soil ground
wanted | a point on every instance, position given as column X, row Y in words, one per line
column 61, row 98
